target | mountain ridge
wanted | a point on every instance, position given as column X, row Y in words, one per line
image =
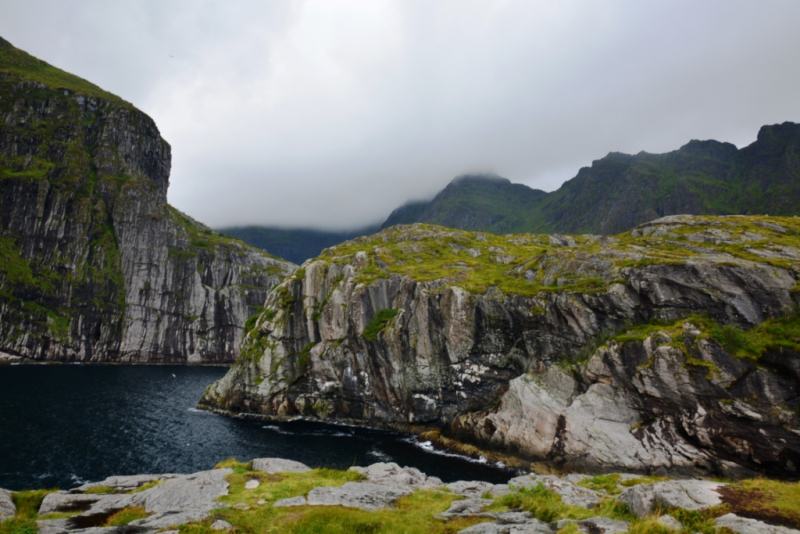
column 619, row 191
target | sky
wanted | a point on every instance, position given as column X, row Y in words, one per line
column 331, row 113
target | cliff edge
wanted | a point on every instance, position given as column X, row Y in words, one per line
column 94, row 264
column 671, row 348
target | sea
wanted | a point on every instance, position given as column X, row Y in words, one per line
column 64, row 425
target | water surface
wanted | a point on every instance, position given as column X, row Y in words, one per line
column 62, row 425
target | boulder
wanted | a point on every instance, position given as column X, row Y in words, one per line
column 465, row 508
column 570, row 493
column 364, row 495
column 533, row 526
column 686, row 494
column 667, row 521
column 391, row 473
column 744, row 525
column 7, row 507
column 279, row 465
column 219, row 524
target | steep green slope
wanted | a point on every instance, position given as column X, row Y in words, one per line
column 620, row 191
column 94, row 264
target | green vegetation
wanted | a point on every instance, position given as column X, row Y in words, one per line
column 100, row 490
column 532, row 265
column 772, row 334
column 125, row 516
column 767, row 500
column 23, row 66
column 27, row 503
column 378, row 323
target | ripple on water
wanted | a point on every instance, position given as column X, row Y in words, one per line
column 65, row 425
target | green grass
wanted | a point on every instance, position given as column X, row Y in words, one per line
column 125, row 516
column 27, row 503
column 606, row 483
column 100, row 490
column 378, row 323
column 26, row 67
column 768, row 500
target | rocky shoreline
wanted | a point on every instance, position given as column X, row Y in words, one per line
column 235, row 496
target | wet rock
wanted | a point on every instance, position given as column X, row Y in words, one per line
column 7, row 507
column 364, row 495
column 279, row 465
column 744, row 525
column 686, row 494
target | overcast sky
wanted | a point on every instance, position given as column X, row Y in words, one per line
column 328, row 113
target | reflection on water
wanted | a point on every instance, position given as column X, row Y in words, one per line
column 62, row 425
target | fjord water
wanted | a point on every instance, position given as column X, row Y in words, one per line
column 62, row 425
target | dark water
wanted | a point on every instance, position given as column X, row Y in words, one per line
column 62, row 425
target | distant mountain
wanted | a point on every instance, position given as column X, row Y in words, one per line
column 617, row 193
column 294, row 244
column 620, row 191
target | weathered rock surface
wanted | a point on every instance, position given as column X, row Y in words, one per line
column 364, row 495
column 686, row 494
column 532, row 526
column 504, row 370
column 178, row 499
column 392, row 474
column 571, row 493
column 7, row 507
column 594, row 525
column 96, row 265
column 279, row 465
column 744, row 525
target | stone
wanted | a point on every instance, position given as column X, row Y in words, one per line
column 532, row 526
column 291, row 501
column 279, row 465
column 470, row 488
column 465, row 508
column 364, row 495
column 570, row 493
column 744, row 525
column 219, row 524
column 7, row 507
column 670, row 522
column 686, row 494
column 391, row 473
column 252, row 484
column 604, row 525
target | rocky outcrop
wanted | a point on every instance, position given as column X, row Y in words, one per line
column 95, row 265
column 394, row 330
column 238, row 500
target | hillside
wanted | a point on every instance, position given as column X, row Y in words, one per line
column 621, row 191
column 683, row 333
column 613, row 195
column 94, row 264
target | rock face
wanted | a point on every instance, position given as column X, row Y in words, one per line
column 95, row 265
column 395, row 330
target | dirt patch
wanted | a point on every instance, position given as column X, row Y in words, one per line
column 758, row 504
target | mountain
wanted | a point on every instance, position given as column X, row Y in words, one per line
column 295, row 244
column 673, row 348
column 95, row 265
column 615, row 194
column 621, row 191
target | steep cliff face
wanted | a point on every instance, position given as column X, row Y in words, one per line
column 94, row 264
column 503, row 341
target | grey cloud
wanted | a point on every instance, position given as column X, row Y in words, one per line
column 331, row 113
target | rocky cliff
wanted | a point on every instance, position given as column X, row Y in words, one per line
column 674, row 347
column 94, row 264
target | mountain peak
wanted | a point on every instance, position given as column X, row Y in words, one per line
column 479, row 178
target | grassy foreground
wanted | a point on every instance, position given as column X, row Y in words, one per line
column 251, row 510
